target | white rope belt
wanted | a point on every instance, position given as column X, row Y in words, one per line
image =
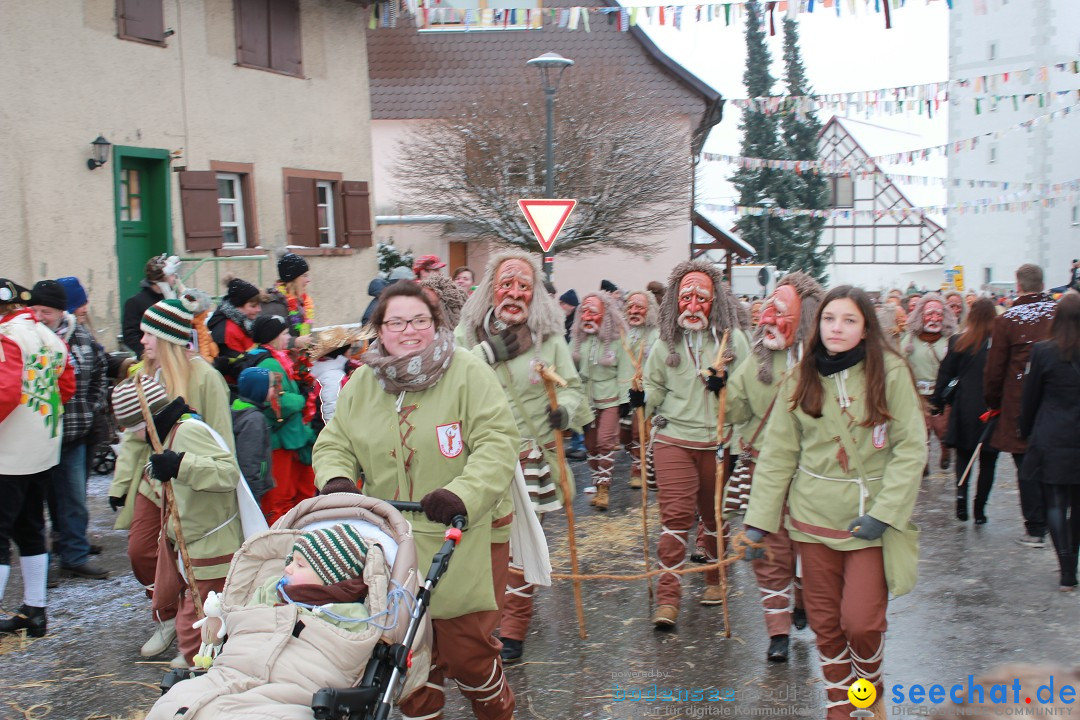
column 864, row 493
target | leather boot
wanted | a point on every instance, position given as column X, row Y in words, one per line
column 665, row 616
column 31, row 619
column 600, row 502
column 511, row 650
column 635, row 481
column 778, row 649
column 798, row 618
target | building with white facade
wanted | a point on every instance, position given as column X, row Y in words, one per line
column 1018, row 60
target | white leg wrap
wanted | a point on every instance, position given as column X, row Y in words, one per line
column 860, row 664
column 494, row 683
column 783, row 593
column 842, row 659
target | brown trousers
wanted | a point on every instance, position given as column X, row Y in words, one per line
column 143, row 545
column 686, row 481
column 630, row 439
column 189, row 639
column 846, row 598
column 517, row 604
column 465, row 649
column 601, row 439
column 777, row 582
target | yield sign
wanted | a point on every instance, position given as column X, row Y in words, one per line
column 546, row 218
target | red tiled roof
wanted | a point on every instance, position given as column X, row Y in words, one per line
column 417, row 74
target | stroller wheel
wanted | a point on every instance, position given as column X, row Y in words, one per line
column 104, row 461
column 174, row 676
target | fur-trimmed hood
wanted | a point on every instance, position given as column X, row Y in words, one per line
column 612, row 328
column 546, row 318
column 811, row 293
column 725, row 308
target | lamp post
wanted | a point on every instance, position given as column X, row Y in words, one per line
column 768, row 204
column 551, row 67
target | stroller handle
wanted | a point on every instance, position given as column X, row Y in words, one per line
column 458, row 522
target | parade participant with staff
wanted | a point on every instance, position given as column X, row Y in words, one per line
column 517, row 331
column 929, row 328
column 785, row 327
column 846, row 453
column 429, row 422
column 642, row 316
column 698, row 309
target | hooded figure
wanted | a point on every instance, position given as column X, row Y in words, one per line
column 682, row 388
column 786, row 324
column 929, row 327
column 513, row 325
column 642, row 314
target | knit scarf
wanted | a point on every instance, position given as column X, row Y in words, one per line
column 346, row 591
column 831, row 364
column 415, row 371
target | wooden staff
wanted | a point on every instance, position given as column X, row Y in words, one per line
column 720, row 365
column 551, row 379
column 170, row 500
column 636, row 384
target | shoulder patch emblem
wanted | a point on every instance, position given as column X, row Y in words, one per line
column 449, row 436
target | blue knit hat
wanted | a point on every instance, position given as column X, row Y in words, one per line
column 76, row 295
column 253, row 384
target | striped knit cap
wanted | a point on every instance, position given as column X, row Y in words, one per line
column 335, row 553
column 170, row 320
column 125, row 401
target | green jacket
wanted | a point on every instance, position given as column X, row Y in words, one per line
column 925, row 358
column 798, row 447
column 679, row 395
column 605, row 385
column 636, row 337
column 748, row 399
column 289, row 432
column 459, row 435
column 267, row 594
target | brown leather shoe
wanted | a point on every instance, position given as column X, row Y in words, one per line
column 713, row 595
column 600, row 502
column 635, row 481
column 665, row 616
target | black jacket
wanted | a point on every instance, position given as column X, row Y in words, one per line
column 965, row 428
column 134, row 309
column 1050, row 417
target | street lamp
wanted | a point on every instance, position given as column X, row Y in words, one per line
column 551, row 67
column 768, row 204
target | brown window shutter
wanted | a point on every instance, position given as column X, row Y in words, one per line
column 355, row 199
column 253, row 32
column 202, row 218
column 285, row 37
column 300, row 212
column 141, row 19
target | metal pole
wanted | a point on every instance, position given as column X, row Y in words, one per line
column 549, row 171
column 766, row 259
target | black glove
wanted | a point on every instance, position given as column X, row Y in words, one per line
column 715, row 383
column 502, row 347
column 558, row 419
column 624, row 410
column 117, row 502
column 637, row 398
column 866, row 527
column 442, row 506
column 165, row 466
column 755, row 536
column 339, row 485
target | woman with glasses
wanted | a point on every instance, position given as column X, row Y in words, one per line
column 429, row 422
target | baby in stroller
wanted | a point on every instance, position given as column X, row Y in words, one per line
column 348, row 584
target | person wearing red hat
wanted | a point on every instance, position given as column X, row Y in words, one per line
column 427, row 265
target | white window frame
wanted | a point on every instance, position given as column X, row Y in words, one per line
column 238, row 210
column 331, row 231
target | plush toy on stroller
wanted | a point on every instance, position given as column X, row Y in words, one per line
column 295, row 631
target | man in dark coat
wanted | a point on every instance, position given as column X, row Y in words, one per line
column 160, row 283
column 1015, row 331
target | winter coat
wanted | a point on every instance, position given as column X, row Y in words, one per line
column 374, row 289
column 1050, row 417
column 252, row 434
column 800, row 461
column 91, row 387
column 965, row 428
column 134, row 309
column 289, row 432
column 1015, row 331
column 925, row 359
column 679, row 395
column 458, row 434
column 749, row 399
column 606, row 372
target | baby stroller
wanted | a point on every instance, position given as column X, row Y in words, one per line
column 281, row 662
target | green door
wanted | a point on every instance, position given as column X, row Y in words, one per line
column 143, row 220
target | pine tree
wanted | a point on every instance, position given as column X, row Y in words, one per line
column 810, row 190
column 390, row 257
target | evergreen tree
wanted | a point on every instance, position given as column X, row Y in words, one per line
column 390, row 257
column 810, row 190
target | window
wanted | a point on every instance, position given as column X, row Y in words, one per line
column 473, row 15
column 141, row 21
column 993, row 51
column 268, row 35
column 231, row 207
column 841, row 191
column 322, row 210
column 993, row 153
column 988, row 275
column 1076, row 215
column 130, row 196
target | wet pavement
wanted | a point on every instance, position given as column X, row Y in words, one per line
column 982, row 601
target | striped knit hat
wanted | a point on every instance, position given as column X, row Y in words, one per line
column 170, row 320
column 125, row 401
column 336, row 553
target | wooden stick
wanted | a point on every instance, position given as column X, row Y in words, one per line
column 170, row 500
column 551, row 379
column 721, row 475
column 636, row 384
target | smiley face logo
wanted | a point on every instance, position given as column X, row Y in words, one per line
column 862, row 693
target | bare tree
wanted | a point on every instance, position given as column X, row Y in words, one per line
column 624, row 160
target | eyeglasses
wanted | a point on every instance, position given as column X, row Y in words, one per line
column 422, row 322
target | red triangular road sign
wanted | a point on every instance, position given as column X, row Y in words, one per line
column 546, row 218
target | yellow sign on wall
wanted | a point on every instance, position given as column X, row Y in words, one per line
column 958, row 277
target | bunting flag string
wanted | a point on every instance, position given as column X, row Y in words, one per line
column 925, row 180
column 907, row 157
column 972, row 207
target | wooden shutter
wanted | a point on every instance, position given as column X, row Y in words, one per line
column 202, row 218
column 253, row 32
column 300, row 212
column 355, row 199
column 285, row 37
column 141, row 20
